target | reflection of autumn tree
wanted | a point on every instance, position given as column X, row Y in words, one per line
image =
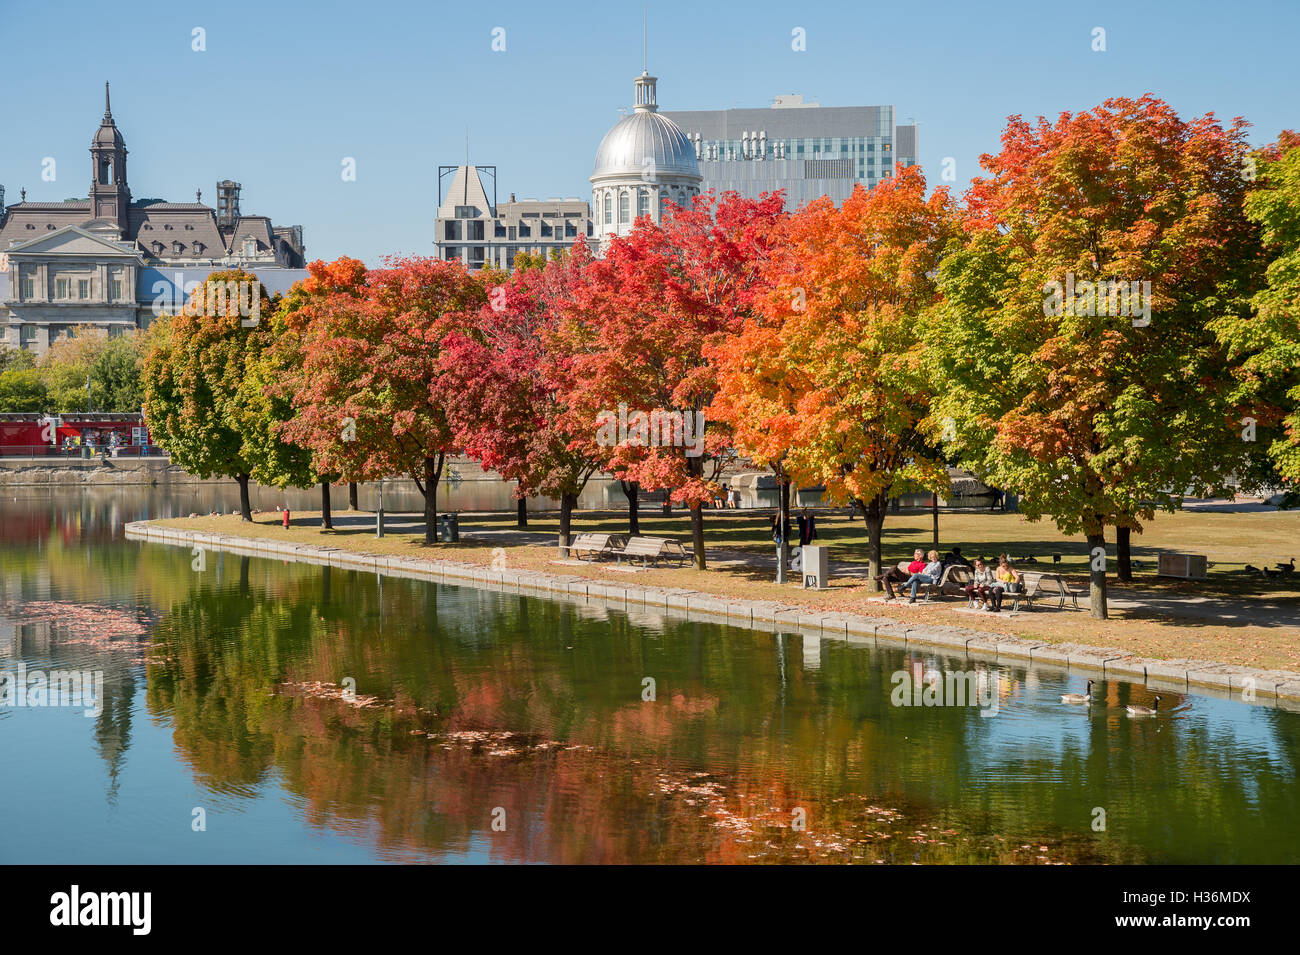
column 588, row 772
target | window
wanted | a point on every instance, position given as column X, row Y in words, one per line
column 83, row 288
column 27, row 288
column 62, row 288
column 177, row 248
column 609, row 209
column 643, row 203
column 28, row 335
column 624, row 206
column 525, row 230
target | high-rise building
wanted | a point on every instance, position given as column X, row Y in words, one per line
column 807, row 149
column 480, row 232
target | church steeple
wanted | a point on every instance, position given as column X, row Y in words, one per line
column 110, row 195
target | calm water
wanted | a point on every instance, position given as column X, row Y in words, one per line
column 222, row 694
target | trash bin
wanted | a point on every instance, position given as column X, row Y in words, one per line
column 85, row 452
column 449, row 528
column 815, row 567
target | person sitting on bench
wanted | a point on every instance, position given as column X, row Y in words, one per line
column 895, row 576
column 930, row 574
column 982, row 581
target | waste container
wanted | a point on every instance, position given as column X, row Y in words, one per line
column 449, row 528
column 815, row 567
column 85, row 452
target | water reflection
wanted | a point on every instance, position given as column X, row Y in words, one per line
column 466, row 706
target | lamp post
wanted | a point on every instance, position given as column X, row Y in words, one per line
column 379, row 515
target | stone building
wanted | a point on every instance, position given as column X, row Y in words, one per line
column 109, row 260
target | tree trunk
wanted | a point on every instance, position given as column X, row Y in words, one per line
column 1097, row 573
column 432, row 474
column 632, row 490
column 245, row 508
column 567, row 503
column 934, row 510
column 783, row 528
column 326, row 520
column 352, row 496
column 875, row 520
column 668, row 502
column 521, row 514
column 1123, row 565
column 697, row 535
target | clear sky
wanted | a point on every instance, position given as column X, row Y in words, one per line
column 286, row 90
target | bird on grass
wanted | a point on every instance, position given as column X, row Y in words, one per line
column 1252, row 569
column 1056, row 558
column 1272, row 573
column 1288, row 567
column 1135, row 710
column 1084, row 697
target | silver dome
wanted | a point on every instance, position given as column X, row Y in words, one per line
column 642, row 136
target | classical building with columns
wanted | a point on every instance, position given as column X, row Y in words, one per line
column 113, row 262
column 643, row 161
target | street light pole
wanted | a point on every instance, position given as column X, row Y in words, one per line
column 379, row 515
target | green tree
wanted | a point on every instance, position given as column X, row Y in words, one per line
column 21, row 389
column 1096, row 410
column 1267, row 343
column 204, row 400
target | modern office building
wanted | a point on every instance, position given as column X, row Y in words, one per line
column 112, row 262
column 473, row 228
column 643, row 161
column 806, row 149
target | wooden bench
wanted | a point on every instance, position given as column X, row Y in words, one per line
column 654, row 549
column 1050, row 585
column 596, row 546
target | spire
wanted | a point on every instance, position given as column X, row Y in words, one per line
column 108, row 110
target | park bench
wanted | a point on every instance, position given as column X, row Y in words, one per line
column 652, row 550
column 595, row 545
column 1054, row 585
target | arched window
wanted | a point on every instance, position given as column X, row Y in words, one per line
column 624, row 207
column 643, row 203
column 609, row 209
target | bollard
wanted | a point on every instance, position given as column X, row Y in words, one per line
column 286, row 516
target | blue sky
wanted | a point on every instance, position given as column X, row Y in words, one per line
column 285, row 90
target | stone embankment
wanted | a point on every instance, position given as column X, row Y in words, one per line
column 1273, row 688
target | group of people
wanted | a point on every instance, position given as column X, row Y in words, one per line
column 985, row 590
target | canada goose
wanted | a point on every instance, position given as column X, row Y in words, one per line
column 1252, row 569
column 1144, row 710
column 1056, row 558
column 1272, row 573
column 1084, row 697
column 1288, row 567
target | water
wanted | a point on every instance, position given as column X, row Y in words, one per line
column 223, row 695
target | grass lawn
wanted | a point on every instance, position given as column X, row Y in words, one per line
column 1228, row 540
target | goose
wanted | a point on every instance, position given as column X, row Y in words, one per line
column 1056, row 558
column 1271, row 573
column 1134, row 710
column 1084, row 697
column 1288, row 567
column 1252, row 569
